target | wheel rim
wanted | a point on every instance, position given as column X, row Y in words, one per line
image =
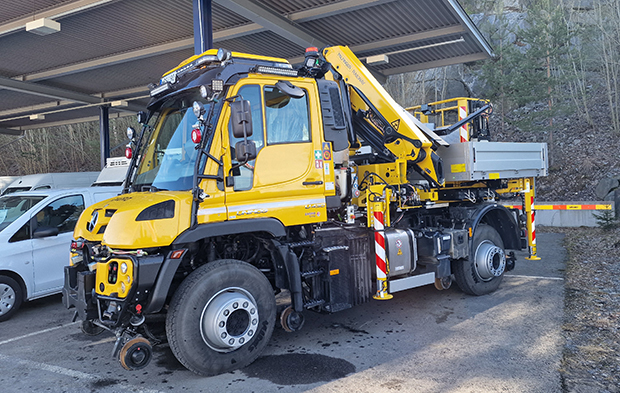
column 7, row 298
column 229, row 320
column 490, row 261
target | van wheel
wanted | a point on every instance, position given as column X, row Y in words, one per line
column 221, row 317
column 483, row 271
column 10, row 297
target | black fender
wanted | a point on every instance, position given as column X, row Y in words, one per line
column 500, row 218
column 288, row 273
column 170, row 266
column 270, row 225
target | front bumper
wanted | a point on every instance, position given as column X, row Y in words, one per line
column 80, row 285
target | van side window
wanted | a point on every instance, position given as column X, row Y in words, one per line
column 63, row 213
column 245, row 179
column 22, row 234
column 287, row 117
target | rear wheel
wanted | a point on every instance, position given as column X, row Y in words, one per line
column 11, row 297
column 483, row 271
column 221, row 317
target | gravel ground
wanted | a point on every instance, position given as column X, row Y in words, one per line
column 591, row 361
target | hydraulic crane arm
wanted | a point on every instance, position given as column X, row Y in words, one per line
column 384, row 123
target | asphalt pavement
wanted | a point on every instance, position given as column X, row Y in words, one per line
column 423, row 340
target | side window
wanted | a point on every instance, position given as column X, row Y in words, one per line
column 63, row 213
column 287, row 117
column 245, row 176
column 22, row 234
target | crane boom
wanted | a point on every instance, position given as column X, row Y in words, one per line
column 393, row 126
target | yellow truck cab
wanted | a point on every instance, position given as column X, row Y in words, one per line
column 251, row 177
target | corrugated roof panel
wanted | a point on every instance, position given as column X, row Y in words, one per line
column 12, row 10
column 139, row 72
column 290, row 6
column 12, row 99
column 381, row 22
column 117, row 28
column 125, row 26
column 264, row 43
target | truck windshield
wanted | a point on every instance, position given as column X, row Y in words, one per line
column 168, row 155
column 13, row 207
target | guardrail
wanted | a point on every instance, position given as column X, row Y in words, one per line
column 568, row 214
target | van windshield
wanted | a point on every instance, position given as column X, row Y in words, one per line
column 168, row 155
column 13, row 207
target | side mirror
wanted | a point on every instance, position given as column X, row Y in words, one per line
column 241, row 118
column 142, row 117
column 245, row 151
column 45, row 232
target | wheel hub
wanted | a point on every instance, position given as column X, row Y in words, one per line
column 490, row 260
column 229, row 320
column 7, row 298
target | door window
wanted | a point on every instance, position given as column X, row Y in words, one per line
column 287, row 117
column 63, row 213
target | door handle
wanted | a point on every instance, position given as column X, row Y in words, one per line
column 313, row 183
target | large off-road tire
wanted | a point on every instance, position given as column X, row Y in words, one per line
column 483, row 271
column 11, row 297
column 221, row 317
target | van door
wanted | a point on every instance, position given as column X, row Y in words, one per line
column 51, row 233
column 287, row 179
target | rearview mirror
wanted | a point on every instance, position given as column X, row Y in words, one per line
column 290, row 89
column 241, row 118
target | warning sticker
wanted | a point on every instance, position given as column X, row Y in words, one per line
column 318, row 164
column 327, row 153
column 395, row 124
column 326, row 167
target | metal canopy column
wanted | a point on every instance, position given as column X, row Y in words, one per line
column 104, row 133
column 203, row 26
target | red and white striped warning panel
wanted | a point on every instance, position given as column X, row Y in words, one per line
column 554, row 206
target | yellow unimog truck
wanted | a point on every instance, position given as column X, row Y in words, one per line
column 251, row 178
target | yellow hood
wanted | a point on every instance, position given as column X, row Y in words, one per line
column 116, row 225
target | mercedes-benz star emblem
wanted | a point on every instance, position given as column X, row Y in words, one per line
column 93, row 221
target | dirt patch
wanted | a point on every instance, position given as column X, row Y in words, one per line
column 591, row 359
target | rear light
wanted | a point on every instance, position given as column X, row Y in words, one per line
column 128, row 153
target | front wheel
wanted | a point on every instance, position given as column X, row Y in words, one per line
column 10, row 297
column 221, row 317
column 483, row 271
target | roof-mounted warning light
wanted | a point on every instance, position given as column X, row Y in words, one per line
column 312, row 57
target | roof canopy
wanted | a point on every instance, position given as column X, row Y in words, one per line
column 108, row 51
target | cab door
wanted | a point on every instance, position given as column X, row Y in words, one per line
column 287, row 180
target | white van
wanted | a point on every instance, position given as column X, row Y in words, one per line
column 36, row 228
column 45, row 181
column 114, row 172
column 5, row 181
